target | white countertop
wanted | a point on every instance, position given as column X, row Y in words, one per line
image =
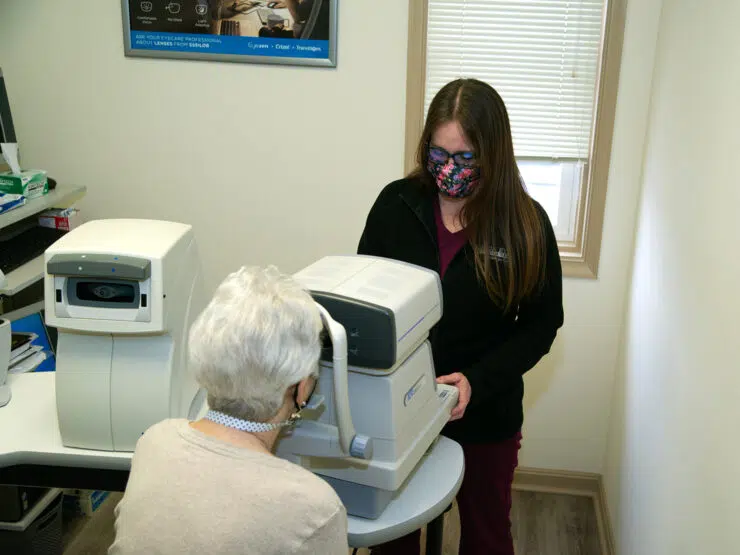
column 29, row 434
column 29, row 429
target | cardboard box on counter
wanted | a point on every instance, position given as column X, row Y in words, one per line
column 29, row 183
column 8, row 202
column 65, row 219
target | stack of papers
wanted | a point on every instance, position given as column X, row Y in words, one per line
column 24, row 355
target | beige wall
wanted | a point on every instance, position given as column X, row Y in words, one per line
column 280, row 165
column 673, row 457
column 568, row 397
column 270, row 164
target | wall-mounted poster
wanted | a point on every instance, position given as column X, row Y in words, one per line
column 299, row 32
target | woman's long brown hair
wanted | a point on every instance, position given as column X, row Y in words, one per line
column 500, row 213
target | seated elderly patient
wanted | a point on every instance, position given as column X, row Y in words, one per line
column 214, row 486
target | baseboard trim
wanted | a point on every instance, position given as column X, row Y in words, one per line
column 556, row 481
column 602, row 513
column 571, row 483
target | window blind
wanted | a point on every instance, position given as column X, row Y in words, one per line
column 542, row 56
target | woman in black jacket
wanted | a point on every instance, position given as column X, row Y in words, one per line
column 464, row 212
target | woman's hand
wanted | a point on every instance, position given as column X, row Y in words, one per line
column 464, row 392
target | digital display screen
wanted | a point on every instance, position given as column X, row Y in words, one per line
column 97, row 291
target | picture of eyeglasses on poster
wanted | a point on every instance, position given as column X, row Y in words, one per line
column 299, row 32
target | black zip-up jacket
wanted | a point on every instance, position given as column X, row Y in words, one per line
column 475, row 337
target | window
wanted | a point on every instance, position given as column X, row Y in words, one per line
column 556, row 65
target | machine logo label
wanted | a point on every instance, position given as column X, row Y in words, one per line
column 413, row 391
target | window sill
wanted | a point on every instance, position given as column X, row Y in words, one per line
column 577, row 267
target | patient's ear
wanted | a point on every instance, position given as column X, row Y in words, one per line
column 305, row 389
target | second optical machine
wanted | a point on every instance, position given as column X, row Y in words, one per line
column 123, row 294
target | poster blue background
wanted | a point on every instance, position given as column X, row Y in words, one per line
column 217, row 44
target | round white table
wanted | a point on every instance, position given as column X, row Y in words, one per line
column 421, row 501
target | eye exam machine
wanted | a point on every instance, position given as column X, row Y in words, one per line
column 377, row 407
column 123, row 294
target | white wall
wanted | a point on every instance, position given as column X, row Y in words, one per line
column 270, row 164
column 673, row 459
column 280, row 165
column 567, row 398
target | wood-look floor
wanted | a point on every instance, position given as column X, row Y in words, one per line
column 542, row 524
column 554, row 524
column 94, row 535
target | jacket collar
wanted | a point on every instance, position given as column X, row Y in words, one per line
column 421, row 204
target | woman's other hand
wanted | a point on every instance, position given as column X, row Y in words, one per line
column 464, row 392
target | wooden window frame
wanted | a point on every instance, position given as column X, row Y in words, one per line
column 580, row 257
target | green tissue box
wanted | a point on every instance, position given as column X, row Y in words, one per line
column 29, row 183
